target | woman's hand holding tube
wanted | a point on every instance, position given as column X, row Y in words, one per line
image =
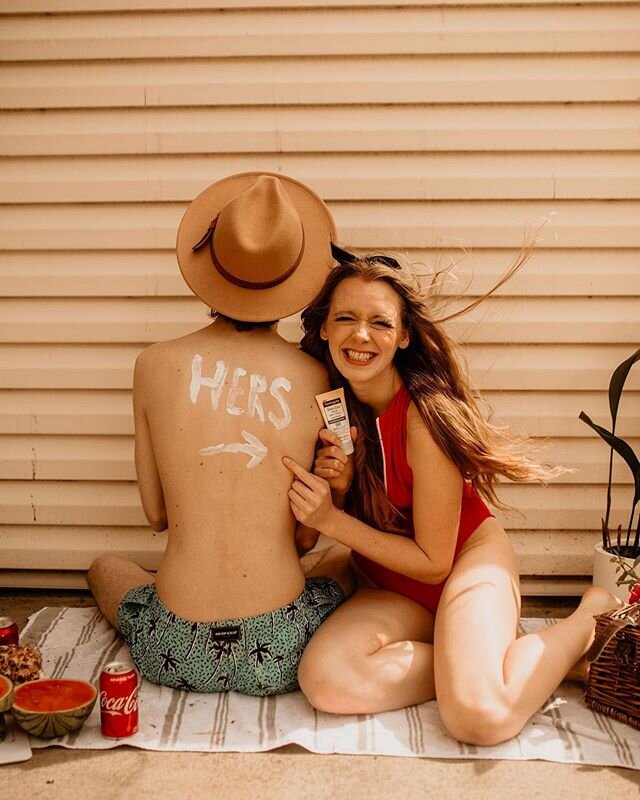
column 310, row 497
column 332, row 463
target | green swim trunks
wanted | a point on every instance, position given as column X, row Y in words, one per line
column 255, row 655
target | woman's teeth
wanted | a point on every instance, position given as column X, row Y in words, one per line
column 354, row 355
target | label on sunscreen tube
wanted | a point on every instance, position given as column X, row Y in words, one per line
column 334, row 412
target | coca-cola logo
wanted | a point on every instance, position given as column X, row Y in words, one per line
column 119, row 706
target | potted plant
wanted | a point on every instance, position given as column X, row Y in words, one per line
column 617, row 560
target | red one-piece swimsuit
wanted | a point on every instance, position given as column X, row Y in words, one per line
column 398, row 479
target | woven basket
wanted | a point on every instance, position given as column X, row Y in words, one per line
column 613, row 685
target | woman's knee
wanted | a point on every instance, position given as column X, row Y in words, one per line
column 331, row 680
column 483, row 721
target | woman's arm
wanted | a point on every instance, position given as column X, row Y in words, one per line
column 437, row 495
column 436, row 512
column 149, row 484
column 337, row 467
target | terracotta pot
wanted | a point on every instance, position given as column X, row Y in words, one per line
column 605, row 575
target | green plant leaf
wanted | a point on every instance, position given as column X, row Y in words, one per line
column 622, row 449
column 616, row 385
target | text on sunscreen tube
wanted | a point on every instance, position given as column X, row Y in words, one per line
column 334, row 412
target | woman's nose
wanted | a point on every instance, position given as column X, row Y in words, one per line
column 361, row 331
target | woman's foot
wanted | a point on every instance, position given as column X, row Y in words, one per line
column 594, row 601
column 598, row 601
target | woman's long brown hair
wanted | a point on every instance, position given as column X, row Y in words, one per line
column 438, row 385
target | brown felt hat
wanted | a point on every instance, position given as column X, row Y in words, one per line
column 256, row 246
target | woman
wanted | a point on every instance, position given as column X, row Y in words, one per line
column 417, row 525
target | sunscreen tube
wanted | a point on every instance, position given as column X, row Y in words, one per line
column 333, row 408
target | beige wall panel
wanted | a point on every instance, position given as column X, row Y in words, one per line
column 106, row 413
column 67, row 367
column 570, row 507
column 335, row 81
column 320, row 32
column 42, row 547
column 97, row 6
column 44, row 579
column 82, row 503
column 39, row 457
column 497, row 320
column 66, row 458
column 549, row 273
column 352, row 129
column 559, row 506
column 100, row 320
column 70, row 503
column 554, row 553
column 78, row 412
column 367, row 224
column 447, row 130
column 492, row 367
column 469, row 176
column 589, row 459
column 559, row 367
column 547, row 414
column 130, row 273
column 120, row 273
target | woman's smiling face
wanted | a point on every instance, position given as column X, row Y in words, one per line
column 364, row 328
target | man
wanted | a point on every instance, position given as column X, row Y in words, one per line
column 215, row 412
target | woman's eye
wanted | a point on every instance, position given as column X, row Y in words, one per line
column 382, row 325
column 343, row 318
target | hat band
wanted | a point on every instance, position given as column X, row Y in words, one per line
column 244, row 284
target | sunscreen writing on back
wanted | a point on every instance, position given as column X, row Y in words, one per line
column 334, row 412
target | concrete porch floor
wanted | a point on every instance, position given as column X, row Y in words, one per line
column 290, row 772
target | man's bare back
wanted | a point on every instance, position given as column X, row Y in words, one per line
column 215, row 412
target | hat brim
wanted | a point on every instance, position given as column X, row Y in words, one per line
column 256, row 305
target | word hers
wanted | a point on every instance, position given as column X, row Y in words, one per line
column 236, row 403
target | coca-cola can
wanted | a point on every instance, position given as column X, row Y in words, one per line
column 119, row 700
column 9, row 633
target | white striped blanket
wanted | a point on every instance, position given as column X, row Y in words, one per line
column 77, row 642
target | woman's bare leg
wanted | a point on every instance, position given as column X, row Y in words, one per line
column 488, row 682
column 110, row 578
column 372, row 654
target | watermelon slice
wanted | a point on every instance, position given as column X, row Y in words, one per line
column 53, row 707
column 6, row 694
column 6, row 698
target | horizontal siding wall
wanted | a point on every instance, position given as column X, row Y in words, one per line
column 446, row 130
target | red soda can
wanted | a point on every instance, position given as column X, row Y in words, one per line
column 119, row 700
column 9, row 633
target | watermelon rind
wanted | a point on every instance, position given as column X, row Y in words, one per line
column 6, row 694
column 50, row 724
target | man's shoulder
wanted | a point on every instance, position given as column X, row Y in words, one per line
column 313, row 372
column 164, row 349
column 150, row 355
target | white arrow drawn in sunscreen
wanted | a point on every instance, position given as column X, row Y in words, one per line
column 253, row 448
